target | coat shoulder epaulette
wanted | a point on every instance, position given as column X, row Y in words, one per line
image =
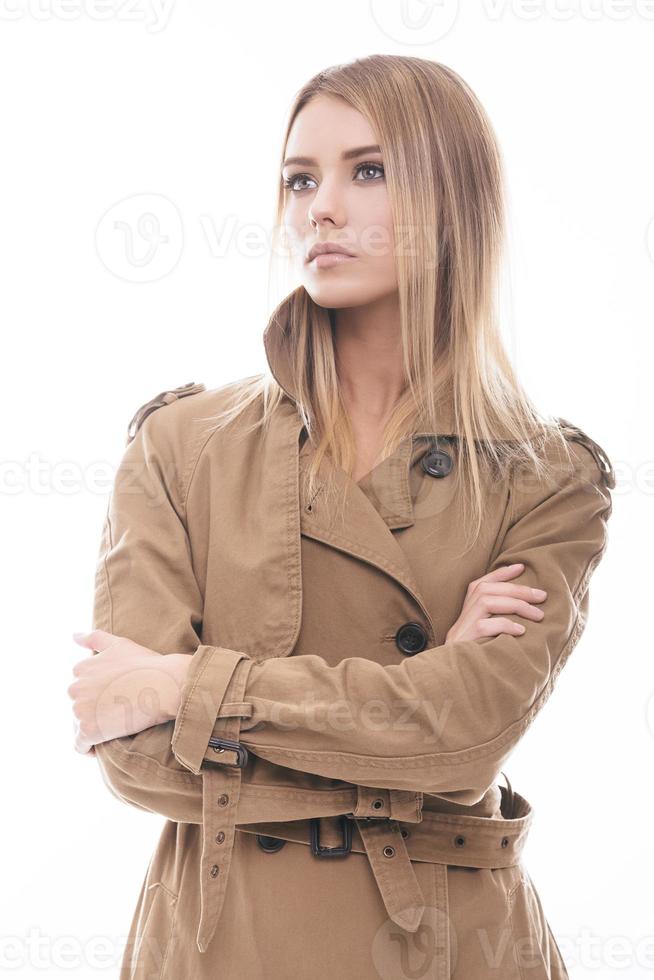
column 576, row 434
column 163, row 398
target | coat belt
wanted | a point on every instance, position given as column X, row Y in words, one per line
column 438, row 838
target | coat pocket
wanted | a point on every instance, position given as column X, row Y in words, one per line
column 536, row 956
column 153, row 932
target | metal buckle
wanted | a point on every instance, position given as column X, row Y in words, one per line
column 320, row 850
column 220, row 744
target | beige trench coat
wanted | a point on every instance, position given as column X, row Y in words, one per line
column 323, row 708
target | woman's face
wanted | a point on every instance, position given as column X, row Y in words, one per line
column 335, row 191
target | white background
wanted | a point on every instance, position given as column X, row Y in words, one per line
column 105, row 104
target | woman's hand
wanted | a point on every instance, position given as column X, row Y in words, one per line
column 123, row 688
column 492, row 594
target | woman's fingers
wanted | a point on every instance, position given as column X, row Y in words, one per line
column 492, row 595
column 501, row 574
column 499, row 624
column 525, row 592
column 489, row 605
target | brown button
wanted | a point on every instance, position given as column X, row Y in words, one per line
column 389, row 851
column 223, row 799
column 459, row 840
column 214, row 871
column 377, row 804
column 220, row 837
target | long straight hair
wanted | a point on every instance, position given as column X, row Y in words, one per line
column 444, row 177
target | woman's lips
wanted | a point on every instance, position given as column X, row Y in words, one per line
column 325, row 260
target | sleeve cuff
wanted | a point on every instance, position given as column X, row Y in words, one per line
column 207, row 682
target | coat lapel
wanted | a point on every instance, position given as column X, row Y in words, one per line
column 362, row 532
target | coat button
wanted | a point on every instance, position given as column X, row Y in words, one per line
column 436, row 462
column 270, row 844
column 411, row 638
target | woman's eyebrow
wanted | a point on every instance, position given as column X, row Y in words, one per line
column 346, row 155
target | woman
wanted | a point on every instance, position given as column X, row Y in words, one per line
column 330, row 600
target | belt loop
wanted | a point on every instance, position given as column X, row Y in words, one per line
column 372, row 802
column 397, row 804
column 406, row 805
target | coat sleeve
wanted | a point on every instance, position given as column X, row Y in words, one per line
column 146, row 590
column 445, row 720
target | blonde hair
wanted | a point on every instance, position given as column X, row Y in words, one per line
column 444, row 178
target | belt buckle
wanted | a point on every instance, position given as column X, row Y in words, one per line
column 220, row 744
column 320, row 850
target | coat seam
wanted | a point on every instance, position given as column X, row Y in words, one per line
column 291, row 505
column 190, row 471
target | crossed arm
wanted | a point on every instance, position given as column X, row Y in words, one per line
column 442, row 722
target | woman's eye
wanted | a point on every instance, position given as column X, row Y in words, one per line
column 291, row 183
column 370, row 166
